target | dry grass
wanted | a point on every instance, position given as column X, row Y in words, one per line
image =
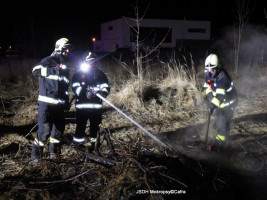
column 170, row 95
column 169, row 91
column 15, row 77
column 18, row 91
column 183, row 83
column 164, row 92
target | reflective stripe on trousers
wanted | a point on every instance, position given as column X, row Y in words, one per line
column 78, row 139
column 88, row 105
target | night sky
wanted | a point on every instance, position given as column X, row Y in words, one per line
column 43, row 22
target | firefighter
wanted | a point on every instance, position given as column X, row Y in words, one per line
column 86, row 82
column 53, row 99
column 221, row 96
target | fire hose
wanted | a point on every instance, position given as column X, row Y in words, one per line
column 134, row 122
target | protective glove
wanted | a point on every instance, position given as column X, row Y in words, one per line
column 209, row 97
column 211, row 109
column 89, row 94
column 63, row 78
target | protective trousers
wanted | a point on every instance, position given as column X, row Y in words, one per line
column 51, row 122
column 223, row 118
column 95, row 118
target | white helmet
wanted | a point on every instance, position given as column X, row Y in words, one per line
column 211, row 61
column 61, row 44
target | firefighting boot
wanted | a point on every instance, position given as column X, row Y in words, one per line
column 36, row 153
column 54, row 150
column 219, row 145
column 91, row 146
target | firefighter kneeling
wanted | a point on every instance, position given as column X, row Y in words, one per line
column 86, row 83
column 222, row 97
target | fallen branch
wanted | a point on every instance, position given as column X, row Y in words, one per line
column 98, row 159
column 62, row 181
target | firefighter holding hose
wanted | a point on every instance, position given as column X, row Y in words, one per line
column 222, row 98
column 88, row 81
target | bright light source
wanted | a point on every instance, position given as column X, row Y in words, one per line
column 84, row 66
column 93, row 39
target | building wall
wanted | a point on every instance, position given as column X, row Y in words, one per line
column 116, row 33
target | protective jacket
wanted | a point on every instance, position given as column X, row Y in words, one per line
column 53, row 81
column 220, row 89
column 84, row 82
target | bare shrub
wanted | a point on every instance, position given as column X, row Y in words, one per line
column 15, row 77
column 170, row 97
column 179, row 86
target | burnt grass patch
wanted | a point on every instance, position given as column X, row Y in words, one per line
column 138, row 174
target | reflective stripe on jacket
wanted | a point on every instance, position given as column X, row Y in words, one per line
column 50, row 100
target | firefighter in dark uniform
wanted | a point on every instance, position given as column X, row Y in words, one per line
column 86, row 82
column 53, row 99
column 222, row 97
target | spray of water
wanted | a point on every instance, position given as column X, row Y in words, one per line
column 134, row 122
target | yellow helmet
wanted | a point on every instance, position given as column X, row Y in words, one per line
column 211, row 61
column 61, row 44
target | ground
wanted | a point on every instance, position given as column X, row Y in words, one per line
column 141, row 168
